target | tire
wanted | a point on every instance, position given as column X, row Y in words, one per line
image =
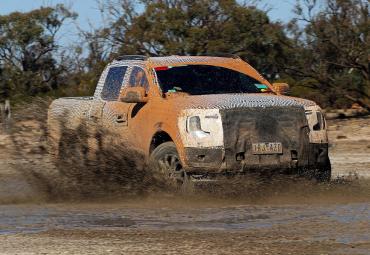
column 323, row 173
column 166, row 165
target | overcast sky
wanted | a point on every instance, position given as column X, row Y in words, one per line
column 88, row 13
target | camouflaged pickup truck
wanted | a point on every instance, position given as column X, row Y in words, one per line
column 200, row 116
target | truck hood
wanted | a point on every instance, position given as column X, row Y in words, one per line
column 230, row 101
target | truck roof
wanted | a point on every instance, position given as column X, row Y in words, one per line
column 178, row 60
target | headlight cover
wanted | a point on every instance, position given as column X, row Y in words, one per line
column 194, row 127
column 317, row 123
column 201, row 128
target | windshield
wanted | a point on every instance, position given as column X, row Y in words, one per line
column 206, row 79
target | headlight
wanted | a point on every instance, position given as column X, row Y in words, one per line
column 201, row 128
column 194, row 124
column 315, row 118
column 194, row 127
column 316, row 122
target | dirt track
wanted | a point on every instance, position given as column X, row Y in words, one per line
column 283, row 217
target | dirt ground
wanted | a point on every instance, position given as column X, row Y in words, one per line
column 44, row 211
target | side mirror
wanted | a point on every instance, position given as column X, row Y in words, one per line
column 134, row 95
column 281, row 88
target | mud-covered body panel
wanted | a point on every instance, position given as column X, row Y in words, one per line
column 205, row 158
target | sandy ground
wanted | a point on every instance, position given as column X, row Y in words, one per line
column 44, row 212
column 350, row 147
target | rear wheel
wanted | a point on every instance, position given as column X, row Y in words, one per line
column 166, row 163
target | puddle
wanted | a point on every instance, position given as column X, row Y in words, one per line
column 32, row 219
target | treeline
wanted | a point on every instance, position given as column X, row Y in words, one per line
column 323, row 53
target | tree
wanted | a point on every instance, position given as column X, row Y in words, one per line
column 332, row 51
column 187, row 27
column 28, row 64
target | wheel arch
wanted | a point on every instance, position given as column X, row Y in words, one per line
column 158, row 138
column 163, row 132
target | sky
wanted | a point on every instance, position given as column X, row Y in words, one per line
column 88, row 13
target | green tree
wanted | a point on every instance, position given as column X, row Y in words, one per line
column 187, row 27
column 332, row 51
column 28, row 64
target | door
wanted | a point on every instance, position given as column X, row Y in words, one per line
column 118, row 116
column 100, row 120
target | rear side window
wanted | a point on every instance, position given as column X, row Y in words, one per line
column 113, row 83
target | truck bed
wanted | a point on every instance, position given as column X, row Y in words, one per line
column 71, row 111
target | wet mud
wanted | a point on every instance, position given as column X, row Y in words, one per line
column 114, row 205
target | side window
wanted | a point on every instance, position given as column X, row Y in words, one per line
column 113, row 83
column 138, row 78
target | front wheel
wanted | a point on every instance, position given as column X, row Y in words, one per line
column 166, row 163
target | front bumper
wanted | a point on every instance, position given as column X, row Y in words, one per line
column 215, row 160
column 244, row 126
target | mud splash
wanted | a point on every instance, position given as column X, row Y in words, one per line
column 29, row 173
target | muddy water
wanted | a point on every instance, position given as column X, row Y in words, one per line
column 182, row 226
column 36, row 218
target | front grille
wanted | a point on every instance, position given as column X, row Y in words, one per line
column 244, row 126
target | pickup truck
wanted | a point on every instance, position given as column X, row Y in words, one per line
column 200, row 116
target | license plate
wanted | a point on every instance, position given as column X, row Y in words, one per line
column 267, row 148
